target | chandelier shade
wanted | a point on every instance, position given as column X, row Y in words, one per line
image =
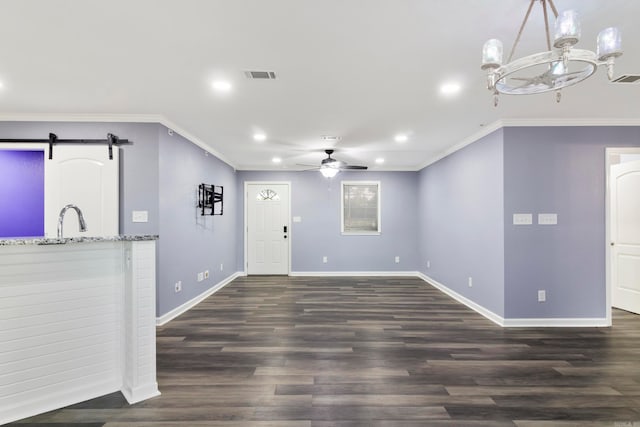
column 554, row 69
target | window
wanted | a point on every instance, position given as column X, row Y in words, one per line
column 360, row 207
column 267, row 195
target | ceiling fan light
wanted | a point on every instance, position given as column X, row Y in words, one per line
column 492, row 54
column 329, row 172
column 567, row 29
column 609, row 44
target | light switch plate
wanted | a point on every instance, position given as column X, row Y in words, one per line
column 522, row 219
column 140, row 216
column 547, row 219
column 297, row 219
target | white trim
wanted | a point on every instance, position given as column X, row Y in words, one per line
column 165, row 318
column 586, row 322
column 118, row 118
column 518, row 323
column 159, row 118
column 486, row 130
column 354, row 273
column 543, row 122
column 495, row 318
column 246, row 219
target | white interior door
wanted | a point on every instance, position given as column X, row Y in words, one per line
column 625, row 235
column 267, row 228
column 82, row 175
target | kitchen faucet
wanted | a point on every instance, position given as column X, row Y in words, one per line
column 83, row 225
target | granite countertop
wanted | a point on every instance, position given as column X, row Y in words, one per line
column 56, row 241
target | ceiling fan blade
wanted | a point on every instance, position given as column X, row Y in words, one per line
column 354, row 167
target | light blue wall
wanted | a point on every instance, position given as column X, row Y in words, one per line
column 191, row 243
column 461, row 224
column 317, row 201
column 558, row 170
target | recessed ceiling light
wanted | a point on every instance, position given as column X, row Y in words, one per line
column 450, row 88
column 221, row 86
column 276, row 160
column 379, row 160
column 401, row 138
column 259, row 136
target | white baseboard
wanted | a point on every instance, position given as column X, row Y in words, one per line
column 354, row 273
column 138, row 394
column 195, row 301
column 495, row 318
column 519, row 323
column 579, row 322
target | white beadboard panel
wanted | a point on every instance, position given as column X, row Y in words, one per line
column 60, row 319
column 71, row 317
column 12, row 359
column 139, row 379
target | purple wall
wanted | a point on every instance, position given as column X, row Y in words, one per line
column 21, row 193
column 317, row 201
column 461, row 224
column 557, row 170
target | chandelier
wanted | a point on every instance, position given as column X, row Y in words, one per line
column 554, row 69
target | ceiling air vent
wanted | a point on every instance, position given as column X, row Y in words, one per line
column 627, row 78
column 263, row 75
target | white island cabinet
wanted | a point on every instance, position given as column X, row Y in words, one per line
column 77, row 321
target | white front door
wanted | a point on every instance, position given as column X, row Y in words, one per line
column 625, row 235
column 267, row 228
column 82, row 175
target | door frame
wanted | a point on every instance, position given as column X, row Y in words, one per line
column 610, row 152
column 246, row 221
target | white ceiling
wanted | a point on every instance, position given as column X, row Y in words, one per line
column 363, row 70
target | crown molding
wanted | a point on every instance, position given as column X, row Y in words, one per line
column 118, row 118
column 166, row 122
column 80, row 117
column 486, row 130
column 583, row 121
column 543, row 122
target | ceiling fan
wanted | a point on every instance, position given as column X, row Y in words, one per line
column 329, row 167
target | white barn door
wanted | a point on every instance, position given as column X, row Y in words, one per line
column 82, row 175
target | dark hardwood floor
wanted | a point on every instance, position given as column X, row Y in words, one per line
column 291, row 351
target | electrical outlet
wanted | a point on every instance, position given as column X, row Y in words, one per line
column 178, row 286
column 428, row 264
column 221, row 267
column 200, row 277
column 397, row 259
column 542, row 295
column 471, row 282
column 522, row 219
column 206, row 274
column 324, row 259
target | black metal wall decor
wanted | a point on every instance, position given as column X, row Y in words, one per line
column 210, row 199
